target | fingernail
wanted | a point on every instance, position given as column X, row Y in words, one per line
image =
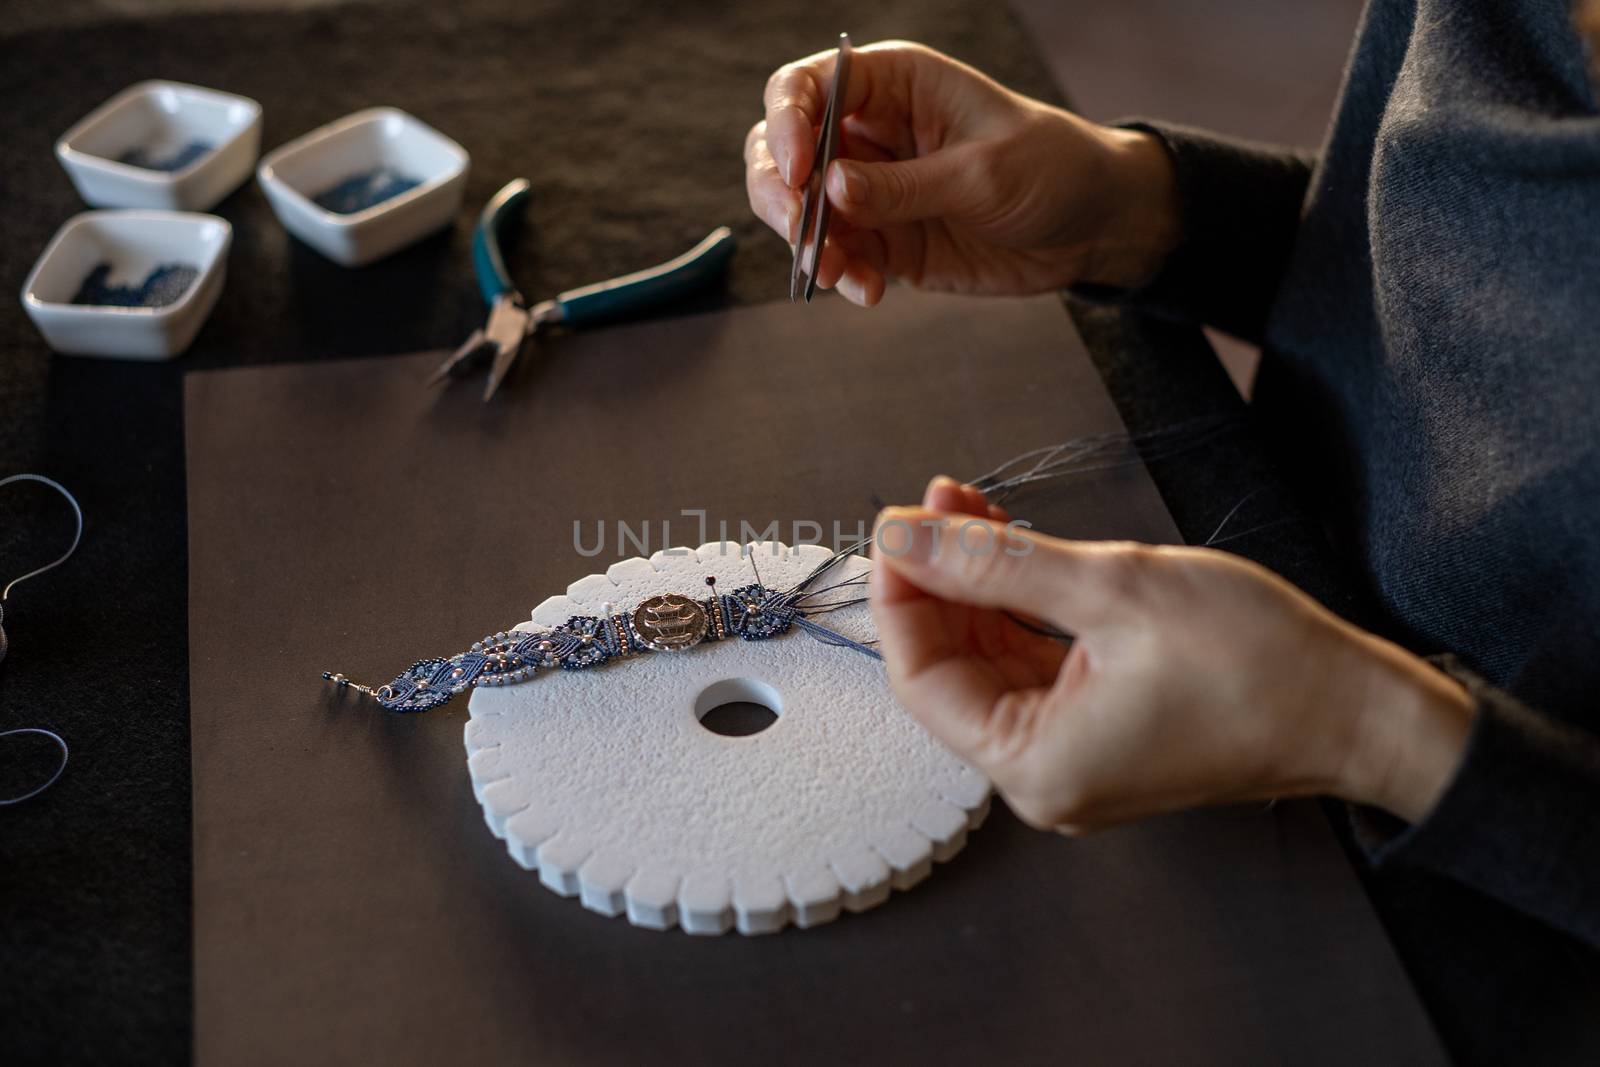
column 852, row 183
column 900, row 534
column 939, row 482
column 788, row 170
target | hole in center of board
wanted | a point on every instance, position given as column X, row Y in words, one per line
column 737, row 707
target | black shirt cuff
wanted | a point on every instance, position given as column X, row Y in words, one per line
column 1240, row 204
column 1520, row 819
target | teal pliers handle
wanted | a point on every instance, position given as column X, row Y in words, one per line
column 487, row 262
column 656, row 286
column 601, row 302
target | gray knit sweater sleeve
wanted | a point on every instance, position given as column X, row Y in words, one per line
column 1520, row 820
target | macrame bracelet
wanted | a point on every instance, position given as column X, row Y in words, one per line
column 670, row 622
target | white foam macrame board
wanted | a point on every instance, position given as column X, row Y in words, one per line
column 606, row 783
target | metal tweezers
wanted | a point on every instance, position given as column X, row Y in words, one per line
column 814, row 206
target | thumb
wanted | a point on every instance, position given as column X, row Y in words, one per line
column 875, row 195
column 983, row 563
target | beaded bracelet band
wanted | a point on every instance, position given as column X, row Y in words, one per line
column 670, row 622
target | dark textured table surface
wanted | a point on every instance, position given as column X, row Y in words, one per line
column 629, row 126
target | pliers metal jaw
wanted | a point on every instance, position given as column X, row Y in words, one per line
column 501, row 339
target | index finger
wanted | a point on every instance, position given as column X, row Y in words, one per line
column 795, row 98
column 797, row 94
column 961, row 698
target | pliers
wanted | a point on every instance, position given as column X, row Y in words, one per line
column 511, row 320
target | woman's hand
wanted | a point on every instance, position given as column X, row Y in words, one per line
column 1196, row 677
column 947, row 180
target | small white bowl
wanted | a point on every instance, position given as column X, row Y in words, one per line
column 134, row 244
column 163, row 121
column 379, row 140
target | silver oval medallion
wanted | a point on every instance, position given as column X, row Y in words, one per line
column 669, row 622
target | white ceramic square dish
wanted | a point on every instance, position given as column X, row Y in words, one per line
column 163, row 145
column 128, row 254
column 367, row 185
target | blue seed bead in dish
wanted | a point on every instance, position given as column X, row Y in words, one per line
column 164, row 285
column 144, row 158
column 361, row 191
